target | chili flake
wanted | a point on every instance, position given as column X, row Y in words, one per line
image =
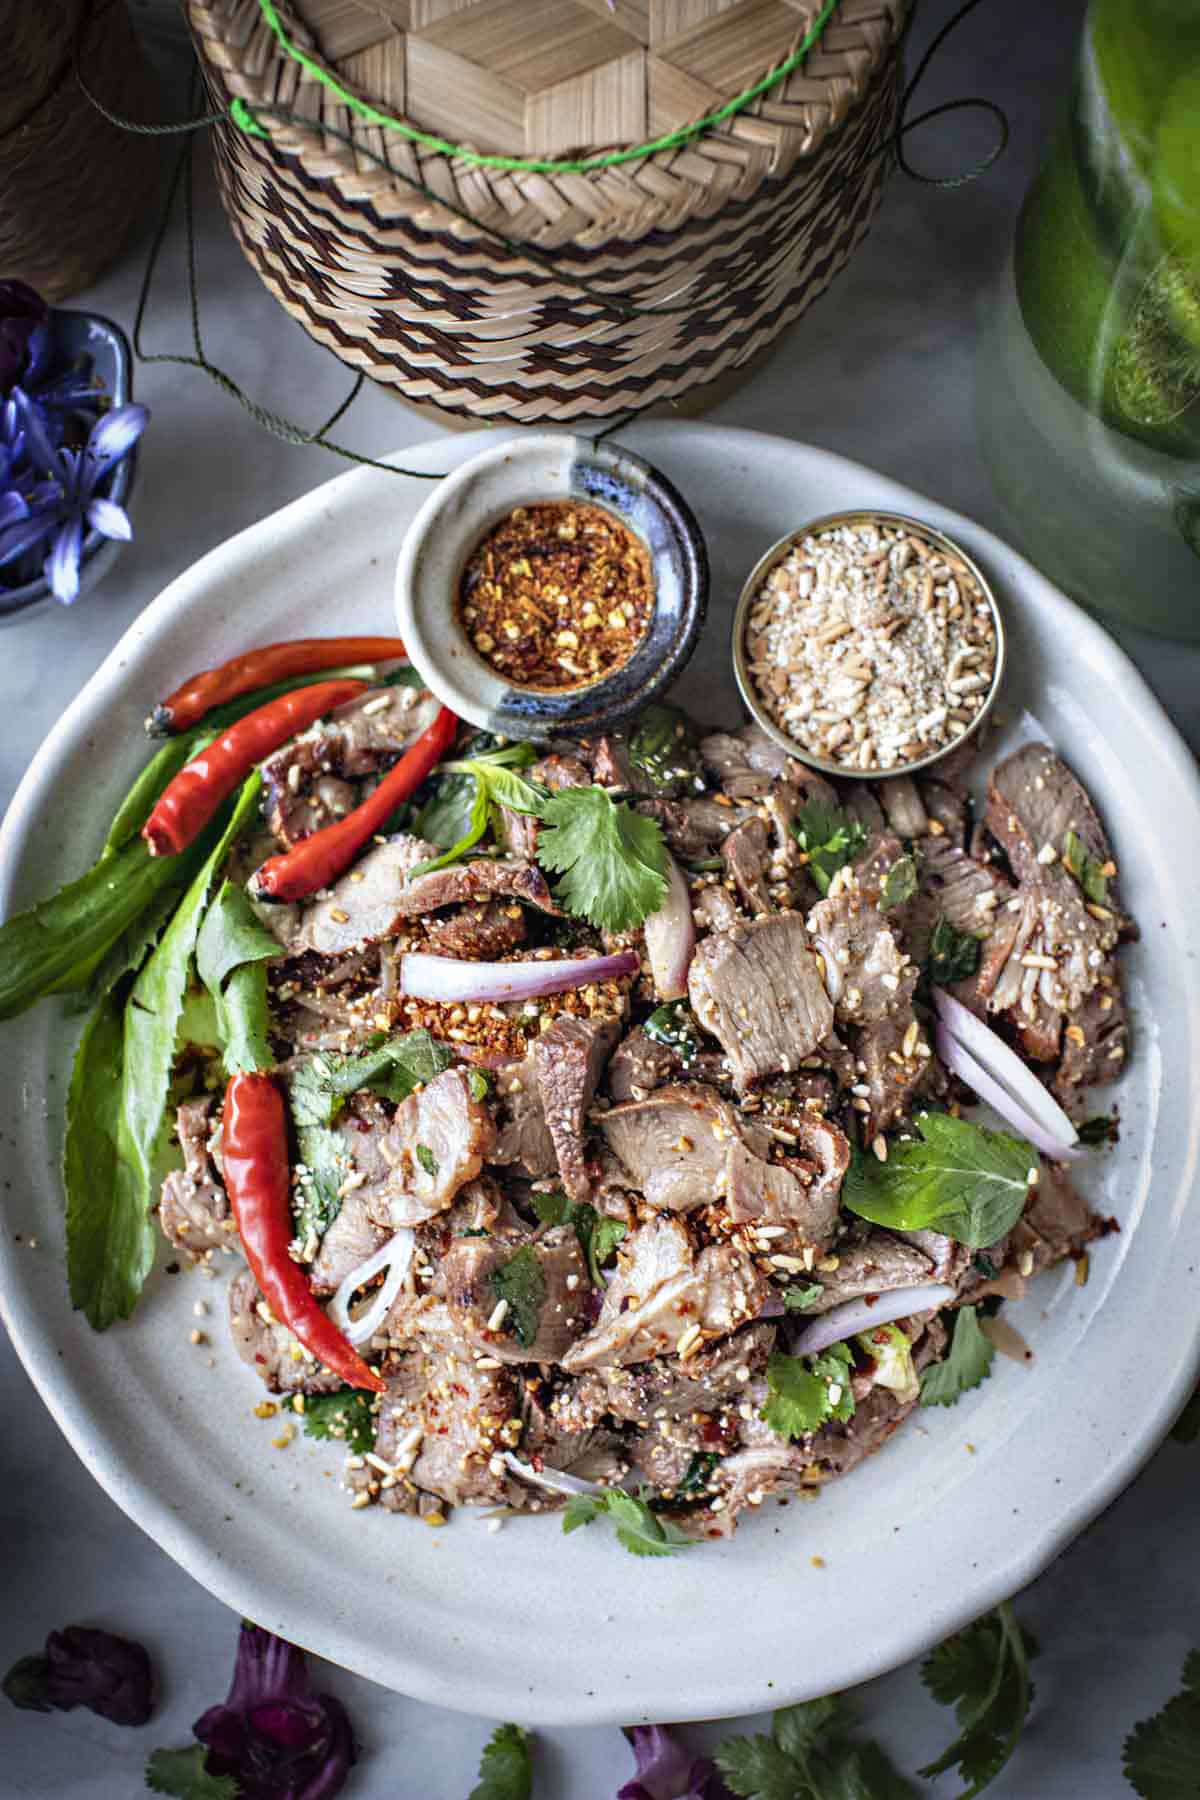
column 557, row 595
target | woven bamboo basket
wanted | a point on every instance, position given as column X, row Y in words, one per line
column 737, row 231
column 71, row 184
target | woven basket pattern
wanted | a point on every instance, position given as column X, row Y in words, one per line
column 71, row 184
column 746, row 226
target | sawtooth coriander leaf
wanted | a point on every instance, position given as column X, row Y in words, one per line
column 1162, row 1753
column 640, row 1530
column 957, row 1178
column 506, row 1767
column 966, row 1363
column 611, row 861
column 983, row 1672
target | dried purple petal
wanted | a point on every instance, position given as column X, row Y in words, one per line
column 82, row 1666
column 278, row 1739
column 666, row 1771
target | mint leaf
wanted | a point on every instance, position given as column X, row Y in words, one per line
column 899, row 884
column 521, row 1282
column 957, row 1178
column 953, row 954
column 640, row 1530
column 829, row 837
column 505, row 1768
column 1088, row 871
column 800, row 1295
column 612, row 861
column 983, row 1672
column 967, row 1362
column 183, row 1774
column 804, row 1392
column 465, row 802
column 393, row 1067
column 347, row 1416
column 1162, row 1753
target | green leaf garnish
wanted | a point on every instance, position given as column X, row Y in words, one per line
column 641, row 1530
column 983, row 1672
column 1088, row 872
column 1104, row 1128
column 662, row 748
column 800, row 1295
column 804, row 1392
column 1162, row 1753
column 521, row 1282
column 967, row 1362
column 347, row 1416
column 598, row 1237
column 810, row 1755
column 829, row 837
column 427, row 1159
column 404, row 676
column 953, row 954
column 393, row 1067
column 182, row 1774
column 612, row 861
column 505, row 1768
column 957, row 1178
column 674, row 1024
column 470, row 793
column 231, row 948
column 899, row 884
column 697, row 1475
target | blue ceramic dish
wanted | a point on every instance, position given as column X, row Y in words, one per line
column 463, row 509
column 80, row 335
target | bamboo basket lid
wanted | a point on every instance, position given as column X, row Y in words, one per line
column 554, row 79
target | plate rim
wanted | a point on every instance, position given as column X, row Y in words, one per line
column 185, row 1543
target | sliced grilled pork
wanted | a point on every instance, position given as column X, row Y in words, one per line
column 481, row 933
column 466, row 1279
column 758, row 989
column 308, row 783
column 675, row 1386
column 437, row 1140
column 801, row 1196
column 1034, row 800
column 194, row 1207
column 569, row 1059
column 662, row 1290
column 694, row 828
column 523, row 1137
column 875, row 1263
column 350, row 1240
column 1096, row 1041
column 903, row 807
column 269, row 1348
column 674, row 1145
column 743, row 762
column 877, row 979
column 437, row 1388
column 745, row 853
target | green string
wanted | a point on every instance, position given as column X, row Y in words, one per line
column 607, row 159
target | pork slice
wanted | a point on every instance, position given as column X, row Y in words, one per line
column 903, row 807
column 437, row 1140
column 661, row 1290
column 801, row 1197
column 480, row 933
column 674, row 1144
column 743, row 762
column 373, row 901
column 438, row 1388
column 666, row 1450
column 269, row 1348
column 874, row 1264
column 891, row 1076
column 758, row 989
column 970, row 895
column 350, row 1240
column 466, row 1279
column 1033, row 801
column 696, row 827
column 744, row 853
column 1052, row 923
column 676, row 1386
column 1096, row 1041
column 307, row 782
column 877, row 978
column 1056, row 1217
column 714, row 908
column 639, row 1064
column 569, row 1059
column 193, row 1209
column 946, row 807
column 523, row 1137
column 789, row 791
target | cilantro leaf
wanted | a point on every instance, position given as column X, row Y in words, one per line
column 612, row 861
column 957, row 1178
column 967, row 1362
column 640, row 1530
column 829, row 837
column 953, row 954
column 983, row 1672
column 810, row 1755
column 1162, row 1753
column 393, row 1067
column 183, row 1774
column 1091, row 874
column 505, row 1768
column 598, row 1237
column 803, row 1392
column 347, row 1416
column 800, row 1296
column 899, row 884
column 521, row 1282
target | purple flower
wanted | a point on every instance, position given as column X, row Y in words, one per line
column 82, row 1666
column 59, row 500
column 278, row 1739
column 24, row 333
column 666, row 1771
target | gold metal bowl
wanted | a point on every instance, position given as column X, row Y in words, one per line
column 753, row 585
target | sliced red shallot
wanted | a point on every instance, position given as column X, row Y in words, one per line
column 833, row 968
column 557, row 1481
column 1002, row 1062
column 960, row 1062
column 671, row 937
column 853, row 1316
column 394, row 1256
column 447, row 978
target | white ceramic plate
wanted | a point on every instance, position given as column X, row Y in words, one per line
column 961, row 1509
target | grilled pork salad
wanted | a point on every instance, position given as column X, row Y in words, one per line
column 587, row 1128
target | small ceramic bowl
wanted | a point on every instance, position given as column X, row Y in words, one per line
column 461, row 511
column 749, row 690
column 79, row 335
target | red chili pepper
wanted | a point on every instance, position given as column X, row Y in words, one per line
column 254, row 1157
column 262, row 668
column 189, row 801
column 317, row 860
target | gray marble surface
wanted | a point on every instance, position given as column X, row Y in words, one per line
column 881, row 371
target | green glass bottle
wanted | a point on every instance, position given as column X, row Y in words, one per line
column 1088, row 375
